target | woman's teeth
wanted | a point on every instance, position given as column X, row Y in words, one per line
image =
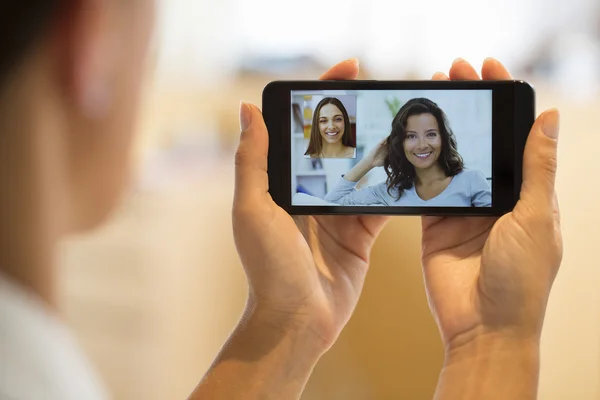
column 422, row 155
column 331, row 133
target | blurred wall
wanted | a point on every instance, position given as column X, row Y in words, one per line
column 201, row 39
column 571, row 340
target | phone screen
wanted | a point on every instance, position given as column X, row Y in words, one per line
column 391, row 148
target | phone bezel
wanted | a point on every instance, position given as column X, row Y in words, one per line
column 513, row 111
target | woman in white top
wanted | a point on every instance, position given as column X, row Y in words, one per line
column 331, row 132
column 69, row 83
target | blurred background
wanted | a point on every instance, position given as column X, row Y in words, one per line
column 153, row 294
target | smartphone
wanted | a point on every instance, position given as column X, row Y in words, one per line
column 397, row 147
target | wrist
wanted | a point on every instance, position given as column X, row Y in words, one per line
column 490, row 366
column 370, row 164
column 286, row 338
column 493, row 346
column 268, row 356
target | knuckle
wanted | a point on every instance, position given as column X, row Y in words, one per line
column 242, row 156
column 548, row 163
column 544, row 158
column 535, row 217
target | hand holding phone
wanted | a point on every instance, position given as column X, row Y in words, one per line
column 297, row 272
column 488, row 280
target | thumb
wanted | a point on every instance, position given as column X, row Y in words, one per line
column 540, row 160
column 251, row 179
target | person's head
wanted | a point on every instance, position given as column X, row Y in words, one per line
column 70, row 83
column 420, row 139
column 330, row 125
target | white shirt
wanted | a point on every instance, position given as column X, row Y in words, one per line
column 39, row 359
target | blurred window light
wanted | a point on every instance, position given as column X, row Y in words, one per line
column 206, row 40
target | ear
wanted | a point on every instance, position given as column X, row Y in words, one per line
column 87, row 55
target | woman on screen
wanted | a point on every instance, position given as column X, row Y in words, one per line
column 422, row 165
column 330, row 135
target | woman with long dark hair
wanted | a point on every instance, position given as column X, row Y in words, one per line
column 331, row 135
column 422, row 165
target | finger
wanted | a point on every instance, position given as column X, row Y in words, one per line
column 440, row 234
column 251, row 179
column 373, row 224
column 540, row 161
column 493, row 70
column 346, row 70
column 429, row 221
column 463, row 71
column 440, row 76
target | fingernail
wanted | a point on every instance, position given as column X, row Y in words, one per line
column 551, row 123
column 457, row 61
column 245, row 116
column 489, row 59
column 355, row 61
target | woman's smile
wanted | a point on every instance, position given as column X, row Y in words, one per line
column 423, row 156
column 331, row 124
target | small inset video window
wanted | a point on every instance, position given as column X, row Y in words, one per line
column 329, row 126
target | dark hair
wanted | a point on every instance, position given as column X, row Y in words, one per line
column 21, row 24
column 400, row 172
column 315, row 146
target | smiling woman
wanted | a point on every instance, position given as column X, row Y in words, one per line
column 422, row 164
column 331, row 133
column 421, row 146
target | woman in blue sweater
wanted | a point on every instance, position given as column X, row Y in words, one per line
column 422, row 164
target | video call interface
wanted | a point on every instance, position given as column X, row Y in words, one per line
column 407, row 148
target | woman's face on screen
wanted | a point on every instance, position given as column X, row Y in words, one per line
column 423, row 142
column 331, row 123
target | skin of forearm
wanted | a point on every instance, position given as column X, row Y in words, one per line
column 358, row 171
column 264, row 358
